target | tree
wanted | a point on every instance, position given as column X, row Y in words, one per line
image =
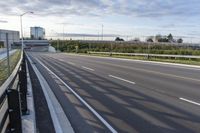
column 119, row 39
column 158, row 37
column 150, row 39
column 163, row 39
column 137, row 40
column 170, row 38
column 180, row 40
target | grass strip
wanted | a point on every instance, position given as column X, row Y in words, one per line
column 14, row 58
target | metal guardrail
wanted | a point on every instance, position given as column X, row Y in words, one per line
column 13, row 102
column 147, row 55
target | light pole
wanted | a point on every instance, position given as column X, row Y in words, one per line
column 22, row 28
column 63, row 31
column 102, row 32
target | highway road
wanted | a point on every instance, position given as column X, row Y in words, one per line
column 114, row 95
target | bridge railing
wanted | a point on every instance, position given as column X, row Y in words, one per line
column 13, row 102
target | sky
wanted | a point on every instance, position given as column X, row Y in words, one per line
column 127, row 18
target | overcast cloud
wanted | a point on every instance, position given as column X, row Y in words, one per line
column 142, row 17
column 139, row 8
column 3, row 21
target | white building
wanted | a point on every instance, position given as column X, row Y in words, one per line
column 37, row 33
column 13, row 36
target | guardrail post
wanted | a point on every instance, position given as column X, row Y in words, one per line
column 15, row 125
column 147, row 56
column 23, row 87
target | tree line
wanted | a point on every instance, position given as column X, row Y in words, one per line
column 158, row 38
column 153, row 48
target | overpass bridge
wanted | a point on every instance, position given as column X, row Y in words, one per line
column 33, row 45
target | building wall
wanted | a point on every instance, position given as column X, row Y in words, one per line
column 37, row 33
column 13, row 36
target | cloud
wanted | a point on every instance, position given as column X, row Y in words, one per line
column 137, row 8
column 71, row 24
column 3, row 21
column 85, row 35
column 172, row 25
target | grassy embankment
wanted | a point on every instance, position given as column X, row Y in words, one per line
column 83, row 48
column 4, row 68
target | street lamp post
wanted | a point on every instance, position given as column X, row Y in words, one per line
column 102, row 32
column 22, row 28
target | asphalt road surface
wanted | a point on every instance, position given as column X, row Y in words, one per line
column 123, row 95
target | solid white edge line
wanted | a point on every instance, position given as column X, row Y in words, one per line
column 189, row 101
column 87, row 68
column 83, row 101
column 131, row 82
column 53, row 112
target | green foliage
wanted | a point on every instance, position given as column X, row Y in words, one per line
column 170, row 37
column 180, row 40
column 83, row 47
column 119, row 39
column 4, row 68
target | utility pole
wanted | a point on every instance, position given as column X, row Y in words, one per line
column 22, row 38
column 8, row 57
column 22, row 28
column 63, row 35
column 102, row 32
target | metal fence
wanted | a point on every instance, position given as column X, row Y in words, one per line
column 13, row 102
column 147, row 55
